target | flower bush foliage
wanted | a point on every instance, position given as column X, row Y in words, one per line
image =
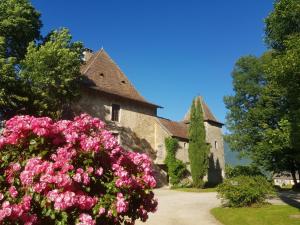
column 71, row 172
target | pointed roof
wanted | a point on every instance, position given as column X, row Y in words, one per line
column 103, row 74
column 207, row 114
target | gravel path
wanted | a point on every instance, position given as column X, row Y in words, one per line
column 183, row 208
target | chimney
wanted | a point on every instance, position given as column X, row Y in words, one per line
column 87, row 54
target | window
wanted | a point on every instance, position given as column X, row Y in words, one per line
column 216, row 145
column 115, row 112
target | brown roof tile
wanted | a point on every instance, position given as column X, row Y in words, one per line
column 103, row 74
column 207, row 114
column 176, row 129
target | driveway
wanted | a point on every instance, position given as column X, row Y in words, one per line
column 183, row 208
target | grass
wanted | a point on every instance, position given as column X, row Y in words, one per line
column 195, row 189
column 267, row 215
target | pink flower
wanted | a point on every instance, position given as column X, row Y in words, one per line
column 16, row 167
column 13, row 191
column 99, row 171
column 101, row 211
column 122, row 205
column 90, row 170
column 77, row 177
column 86, row 219
column 67, row 174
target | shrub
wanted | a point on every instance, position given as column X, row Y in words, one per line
column 176, row 168
column 71, row 172
column 250, row 170
column 244, row 191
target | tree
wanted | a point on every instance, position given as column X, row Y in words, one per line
column 257, row 118
column 19, row 25
column 51, row 74
column 248, row 81
column 11, row 92
column 38, row 76
column 264, row 111
column 283, row 33
column 284, row 70
column 198, row 148
column 282, row 22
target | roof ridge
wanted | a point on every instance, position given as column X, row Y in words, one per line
column 107, row 76
column 94, row 59
column 119, row 68
column 207, row 113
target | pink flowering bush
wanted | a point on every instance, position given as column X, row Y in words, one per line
column 71, row 172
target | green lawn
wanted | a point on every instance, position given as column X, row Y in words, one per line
column 195, row 189
column 267, row 215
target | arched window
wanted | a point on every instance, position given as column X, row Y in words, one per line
column 216, row 145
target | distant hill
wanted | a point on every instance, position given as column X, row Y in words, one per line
column 232, row 158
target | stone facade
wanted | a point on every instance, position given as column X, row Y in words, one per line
column 214, row 137
column 136, row 124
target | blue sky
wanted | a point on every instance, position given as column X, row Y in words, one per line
column 170, row 50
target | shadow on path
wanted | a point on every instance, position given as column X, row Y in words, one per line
column 290, row 198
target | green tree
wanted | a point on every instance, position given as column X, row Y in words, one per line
column 284, row 70
column 51, row 74
column 19, row 24
column 38, row 76
column 283, row 34
column 11, row 89
column 264, row 112
column 282, row 22
column 248, row 82
column 198, row 148
column 257, row 117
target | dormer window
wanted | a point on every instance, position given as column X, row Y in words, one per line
column 115, row 112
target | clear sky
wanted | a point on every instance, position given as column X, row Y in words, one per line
column 170, row 50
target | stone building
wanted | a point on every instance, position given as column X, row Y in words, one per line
column 108, row 94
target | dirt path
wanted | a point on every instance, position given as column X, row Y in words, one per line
column 182, row 208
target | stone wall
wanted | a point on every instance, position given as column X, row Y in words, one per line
column 214, row 137
column 135, row 129
column 139, row 129
column 182, row 151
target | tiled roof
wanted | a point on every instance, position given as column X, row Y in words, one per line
column 207, row 114
column 176, row 129
column 102, row 73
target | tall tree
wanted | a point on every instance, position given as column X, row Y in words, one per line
column 19, row 24
column 248, row 82
column 284, row 70
column 198, row 148
column 282, row 22
column 38, row 76
column 264, row 112
column 283, row 33
column 51, row 74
